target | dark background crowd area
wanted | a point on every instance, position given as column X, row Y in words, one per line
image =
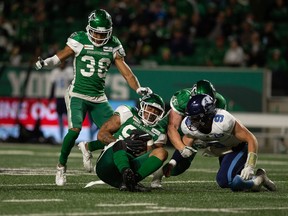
column 237, row 33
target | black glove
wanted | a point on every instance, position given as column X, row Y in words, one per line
column 137, row 141
column 139, row 135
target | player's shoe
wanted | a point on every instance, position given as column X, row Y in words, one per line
column 156, row 182
column 60, row 179
column 129, row 182
column 87, row 156
column 267, row 183
column 141, row 188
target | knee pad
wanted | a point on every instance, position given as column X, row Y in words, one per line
column 119, row 145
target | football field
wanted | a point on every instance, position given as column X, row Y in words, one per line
column 27, row 174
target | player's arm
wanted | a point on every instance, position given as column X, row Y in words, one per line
column 173, row 134
column 107, row 130
column 129, row 76
column 55, row 60
column 126, row 72
column 243, row 134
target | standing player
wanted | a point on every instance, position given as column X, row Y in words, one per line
column 135, row 144
column 93, row 52
column 228, row 139
column 178, row 164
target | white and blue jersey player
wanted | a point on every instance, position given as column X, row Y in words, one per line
column 220, row 134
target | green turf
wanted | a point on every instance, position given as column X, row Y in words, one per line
column 27, row 187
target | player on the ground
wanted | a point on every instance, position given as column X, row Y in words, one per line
column 225, row 137
column 93, row 52
column 178, row 103
column 135, row 144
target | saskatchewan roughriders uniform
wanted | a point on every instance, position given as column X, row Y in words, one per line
column 90, row 65
column 179, row 102
column 130, row 120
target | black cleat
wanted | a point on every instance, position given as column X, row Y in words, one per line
column 141, row 188
column 128, row 180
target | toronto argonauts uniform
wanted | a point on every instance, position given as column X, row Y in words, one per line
column 106, row 169
column 179, row 100
column 221, row 142
column 220, row 139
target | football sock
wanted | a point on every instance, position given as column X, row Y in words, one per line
column 95, row 145
column 149, row 166
column 67, row 145
column 238, row 184
column 121, row 160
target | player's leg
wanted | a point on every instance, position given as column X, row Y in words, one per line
column 148, row 163
column 228, row 175
column 106, row 169
column 176, row 166
column 99, row 113
column 76, row 110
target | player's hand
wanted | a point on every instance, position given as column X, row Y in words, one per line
column 144, row 91
column 40, row 63
column 247, row 173
column 187, row 151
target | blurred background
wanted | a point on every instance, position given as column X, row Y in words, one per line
column 239, row 45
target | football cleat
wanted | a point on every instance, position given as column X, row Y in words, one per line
column 267, row 183
column 141, row 188
column 156, row 182
column 129, row 182
column 87, row 156
column 60, row 179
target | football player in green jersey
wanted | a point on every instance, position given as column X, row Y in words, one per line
column 134, row 142
column 93, row 52
column 183, row 155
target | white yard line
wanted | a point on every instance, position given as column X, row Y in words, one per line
column 32, row 200
column 159, row 209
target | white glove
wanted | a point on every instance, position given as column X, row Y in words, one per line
column 187, row 151
column 40, row 63
column 247, row 172
column 144, row 91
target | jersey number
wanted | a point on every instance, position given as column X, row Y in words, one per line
column 103, row 65
column 218, row 118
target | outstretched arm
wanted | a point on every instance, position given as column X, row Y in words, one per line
column 55, row 60
column 130, row 77
column 126, row 72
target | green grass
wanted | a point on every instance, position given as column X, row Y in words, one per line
column 27, row 187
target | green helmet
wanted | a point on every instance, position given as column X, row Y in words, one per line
column 151, row 109
column 203, row 87
column 99, row 22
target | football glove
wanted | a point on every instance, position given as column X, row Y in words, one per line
column 144, row 91
column 140, row 135
column 187, row 151
column 40, row 63
column 137, row 141
column 247, row 172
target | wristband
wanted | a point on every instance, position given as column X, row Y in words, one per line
column 52, row 61
column 251, row 160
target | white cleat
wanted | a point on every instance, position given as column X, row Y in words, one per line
column 156, row 182
column 87, row 156
column 60, row 179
